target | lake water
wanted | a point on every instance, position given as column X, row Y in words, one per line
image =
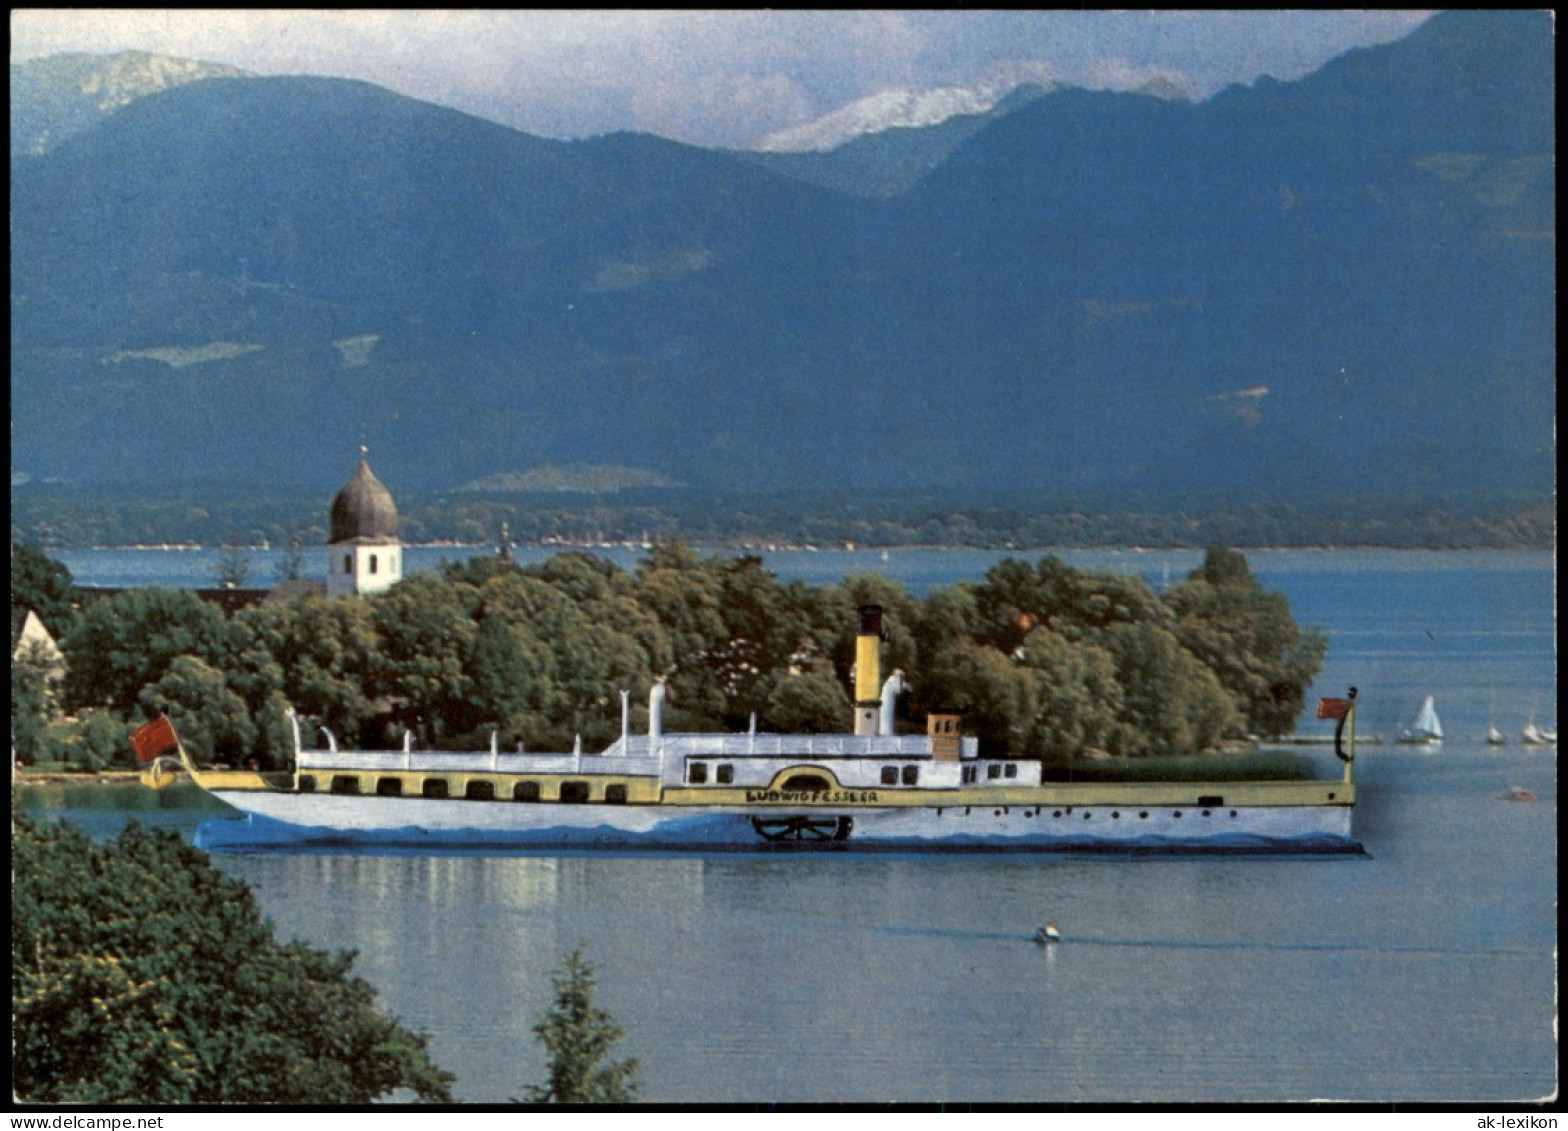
column 1423, row 972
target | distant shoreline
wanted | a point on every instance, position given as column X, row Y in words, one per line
column 827, row 547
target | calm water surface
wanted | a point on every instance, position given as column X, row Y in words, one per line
column 1422, row 972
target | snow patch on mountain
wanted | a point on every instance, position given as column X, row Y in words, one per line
column 885, row 110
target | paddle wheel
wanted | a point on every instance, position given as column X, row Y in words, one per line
column 801, row 827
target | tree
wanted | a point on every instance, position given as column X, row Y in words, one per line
column 291, row 566
column 578, row 1036
column 1171, row 704
column 233, row 568
column 212, row 719
column 40, row 583
column 32, row 708
column 141, row 974
column 810, row 701
column 425, row 631
column 1248, row 638
column 121, row 644
column 328, row 651
column 1077, row 699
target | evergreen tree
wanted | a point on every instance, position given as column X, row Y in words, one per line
column 578, row 1036
column 141, row 974
column 40, row 583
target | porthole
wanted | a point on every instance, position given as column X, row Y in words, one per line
column 1144, row 815
column 1233, row 812
column 1206, row 813
column 1086, row 814
column 1056, row 812
column 997, row 813
column 1331, row 797
column 1116, row 816
column 1176, row 813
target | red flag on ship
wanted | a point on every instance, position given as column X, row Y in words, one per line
column 155, row 740
column 1333, row 708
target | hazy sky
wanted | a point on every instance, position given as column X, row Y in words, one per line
column 716, row 78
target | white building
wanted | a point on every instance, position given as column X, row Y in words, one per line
column 364, row 555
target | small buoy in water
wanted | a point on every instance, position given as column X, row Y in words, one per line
column 1047, row 934
column 1517, row 793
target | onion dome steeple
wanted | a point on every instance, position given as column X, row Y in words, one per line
column 364, row 510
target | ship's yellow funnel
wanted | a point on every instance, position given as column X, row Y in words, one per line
column 868, row 655
column 868, row 669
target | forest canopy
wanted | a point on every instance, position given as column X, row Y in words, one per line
column 1042, row 659
column 141, row 974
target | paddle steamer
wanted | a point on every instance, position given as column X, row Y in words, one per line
column 869, row 789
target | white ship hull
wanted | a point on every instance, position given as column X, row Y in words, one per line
column 295, row 821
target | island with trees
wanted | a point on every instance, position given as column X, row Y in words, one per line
column 1043, row 660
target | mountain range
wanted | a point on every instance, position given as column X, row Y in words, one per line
column 1338, row 285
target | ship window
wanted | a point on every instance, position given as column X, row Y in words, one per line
column 1211, row 799
column 574, row 792
column 971, row 773
column 525, row 791
column 389, row 787
column 345, row 783
column 436, row 787
column 307, row 783
column 372, row 563
column 889, row 775
column 615, row 794
column 480, row 791
column 911, row 775
column 1011, row 771
column 994, row 770
column 348, row 563
column 697, row 773
column 726, row 773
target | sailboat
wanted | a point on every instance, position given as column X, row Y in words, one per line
column 1533, row 735
column 1427, row 729
column 1494, row 737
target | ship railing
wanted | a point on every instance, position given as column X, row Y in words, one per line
column 794, row 746
column 444, row 761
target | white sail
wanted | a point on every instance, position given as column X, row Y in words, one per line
column 1426, row 729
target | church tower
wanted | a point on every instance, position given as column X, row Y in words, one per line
column 365, row 555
